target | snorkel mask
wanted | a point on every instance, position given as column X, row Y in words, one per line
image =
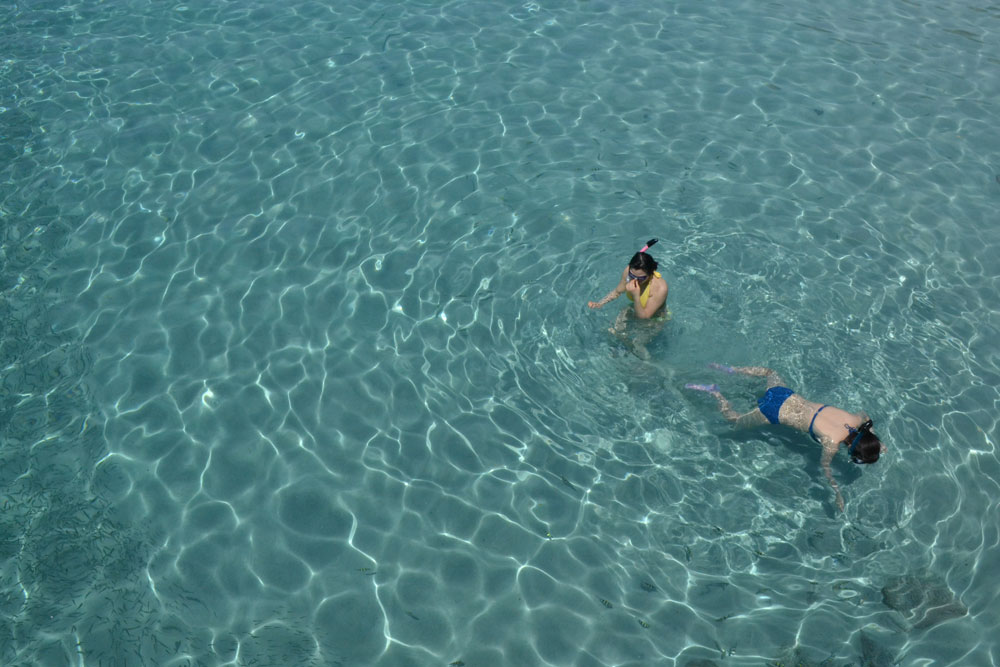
column 857, row 433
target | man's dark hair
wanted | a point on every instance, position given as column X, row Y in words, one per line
column 868, row 449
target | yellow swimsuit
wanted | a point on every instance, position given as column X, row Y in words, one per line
column 644, row 297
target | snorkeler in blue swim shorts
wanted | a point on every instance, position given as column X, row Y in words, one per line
column 828, row 425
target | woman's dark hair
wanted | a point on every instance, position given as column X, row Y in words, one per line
column 643, row 261
column 868, row 449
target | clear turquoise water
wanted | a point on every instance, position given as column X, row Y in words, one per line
column 297, row 368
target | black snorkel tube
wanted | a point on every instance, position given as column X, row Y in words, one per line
column 857, row 433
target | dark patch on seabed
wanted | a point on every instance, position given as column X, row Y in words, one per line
column 923, row 600
column 874, row 654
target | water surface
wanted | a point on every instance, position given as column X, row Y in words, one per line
column 297, row 367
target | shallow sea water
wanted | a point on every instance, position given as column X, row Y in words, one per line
column 297, row 367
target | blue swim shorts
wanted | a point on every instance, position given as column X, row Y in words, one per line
column 770, row 403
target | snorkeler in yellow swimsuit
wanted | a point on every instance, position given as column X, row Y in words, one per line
column 647, row 290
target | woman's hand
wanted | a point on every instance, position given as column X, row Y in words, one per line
column 594, row 304
column 632, row 287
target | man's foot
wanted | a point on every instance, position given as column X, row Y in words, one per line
column 722, row 367
column 710, row 388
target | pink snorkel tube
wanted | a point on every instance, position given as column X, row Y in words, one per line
column 649, row 243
